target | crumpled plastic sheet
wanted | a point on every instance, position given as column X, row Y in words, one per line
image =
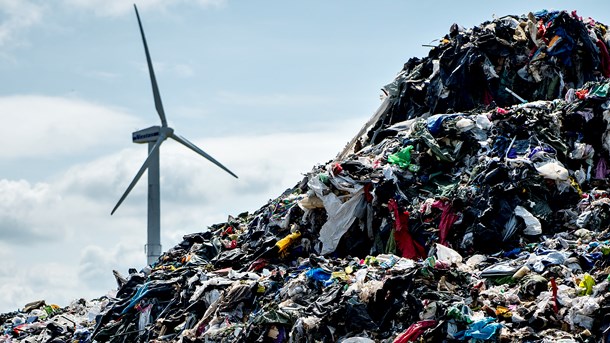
column 341, row 215
column 482, row 329
column 532, row 224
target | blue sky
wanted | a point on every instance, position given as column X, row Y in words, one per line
column 269, row 88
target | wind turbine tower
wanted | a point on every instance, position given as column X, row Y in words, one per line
column 154, row 137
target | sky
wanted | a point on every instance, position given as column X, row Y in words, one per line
column 268, row 88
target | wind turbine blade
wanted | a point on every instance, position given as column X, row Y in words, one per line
column 151, row 71
column 193, row 147
column 140, row 172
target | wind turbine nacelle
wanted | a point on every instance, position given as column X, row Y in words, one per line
column 147, row 135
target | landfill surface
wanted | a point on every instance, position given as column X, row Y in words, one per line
column 472, row 207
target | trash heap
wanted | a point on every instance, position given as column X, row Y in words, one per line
column 502, row 62
column 473, row 207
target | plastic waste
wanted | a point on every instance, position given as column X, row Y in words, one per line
column 483, row 329
column 448, row 255
column 586, row 285
column 553, row 170
column 414, row 331
column 319, row 274
column 144, row 317
column 401, row 158
column 532, row 224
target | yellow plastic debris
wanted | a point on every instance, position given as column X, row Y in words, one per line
column 587, row 284
column 285, row 242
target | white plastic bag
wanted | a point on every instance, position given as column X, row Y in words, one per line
column 341, row 215
column 448, row 255
column 532, row 224
column 553, row 170
column 144, row 318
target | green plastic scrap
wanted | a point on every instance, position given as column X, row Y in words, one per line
column 504, row 280
column 600, row 91
column 402, row 158
column 455, row 313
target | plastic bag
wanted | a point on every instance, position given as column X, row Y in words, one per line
column 318, row 274
column 341, row 215
column 448, row 255
column 553, row 170
column 401, row 158
column 144, row 317
column 586, row 285
column 482, row 329
column 532, row 224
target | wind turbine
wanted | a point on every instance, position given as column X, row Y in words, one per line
column 154, row 136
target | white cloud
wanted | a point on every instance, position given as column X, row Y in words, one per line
column 121, row 7
column 22, row 194
column 21, row 205
column 56, row 283
column 96, row 264
column 46, row 127
column 104, row 177
column 18, row 15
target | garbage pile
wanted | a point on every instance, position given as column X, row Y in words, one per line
column 503, row 62
column 475, row 207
